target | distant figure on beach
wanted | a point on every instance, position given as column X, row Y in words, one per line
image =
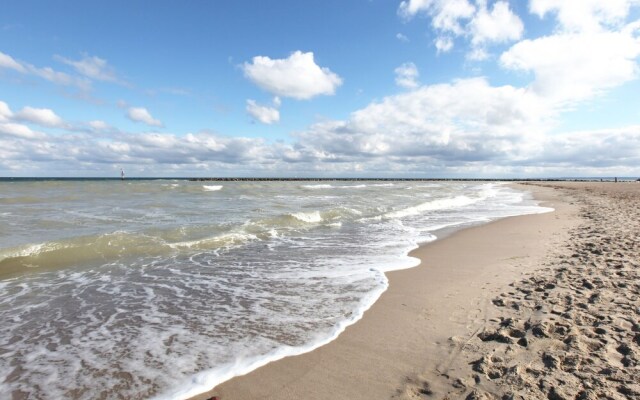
column 121, row 174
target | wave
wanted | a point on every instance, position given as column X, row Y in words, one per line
column 315, row 187
column 441, row 204
column 352, row 187
column 109, row 247
column 85, row 250
column 309, row 217
column 358, row 186
column 216, row 242
column 211, row 188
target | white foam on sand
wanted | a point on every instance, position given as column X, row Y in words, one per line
column 206, row 380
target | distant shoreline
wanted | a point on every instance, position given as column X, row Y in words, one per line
column 319, row 179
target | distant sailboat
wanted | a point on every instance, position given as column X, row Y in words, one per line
column 121, row 174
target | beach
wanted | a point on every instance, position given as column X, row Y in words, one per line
column 534, row 306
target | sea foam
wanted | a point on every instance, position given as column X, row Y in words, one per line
column 167, row 293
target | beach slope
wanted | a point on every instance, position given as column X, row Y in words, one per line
column 416, row 337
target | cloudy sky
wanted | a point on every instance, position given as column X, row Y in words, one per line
column 414, row 88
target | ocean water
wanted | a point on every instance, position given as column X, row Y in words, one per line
column 165, row 288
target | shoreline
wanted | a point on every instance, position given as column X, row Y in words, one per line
column 422, row 306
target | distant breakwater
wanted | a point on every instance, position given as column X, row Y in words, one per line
column 290, row 179
column 221, row 179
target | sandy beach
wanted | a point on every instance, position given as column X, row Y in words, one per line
column 538, row 306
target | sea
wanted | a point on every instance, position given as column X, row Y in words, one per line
column 163, row 289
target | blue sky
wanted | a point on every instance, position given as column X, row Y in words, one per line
column 464, row 88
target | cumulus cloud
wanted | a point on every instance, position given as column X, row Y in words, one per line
column 446, row 15
column 41, row 116
column 20, row 131
column 443, row 44
column 496, row 26
column 465, row 120
column 140, row 114
column 605, row 151
column 98, row 125
column 477, row 54
column 297, row 76
column 407, row 75
column 92, row 67
column 584, row 15
column 155, row 152
column 5, row 112
column 461, row 18
column 265, row 114
column 572, row 67
column 466, row 127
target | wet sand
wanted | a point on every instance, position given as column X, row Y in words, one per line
column 510, row 309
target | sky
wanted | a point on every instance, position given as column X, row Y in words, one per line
column 320, row 88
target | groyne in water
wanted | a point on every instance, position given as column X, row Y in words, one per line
column 222, row 179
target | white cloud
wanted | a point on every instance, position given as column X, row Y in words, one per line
column 40, row 116
column 446, row 14
column 20, row 131
column 6, row 61
column 451, row 123
column 47, row 73
column 402, row 38
column 461, row 18
column 443, row 44
column 5, row 112
column 266, row 115
column 572, row 67
column 140, row 114
column 297, row 76
column 409, row 8
column 98, row 125
column 92, row 67
column 466, row 127
column 477, row 54
column 28, row 152
column 407, row 75
column 584, row 15
column 605, row 152
column 498, row 26
column 59, row 78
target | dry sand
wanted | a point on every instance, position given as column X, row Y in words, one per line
column 572, row 329
column 541, row 306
